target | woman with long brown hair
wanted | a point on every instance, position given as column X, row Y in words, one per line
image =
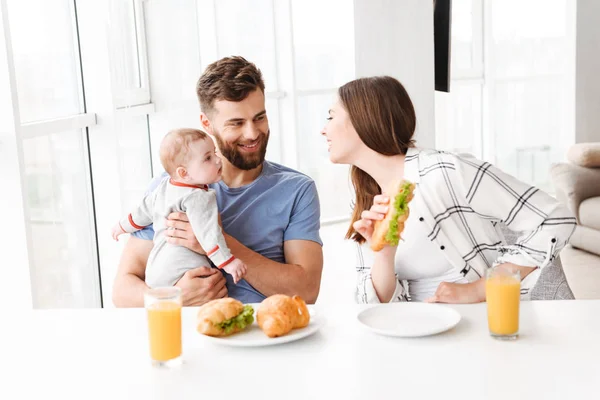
column 453, row 234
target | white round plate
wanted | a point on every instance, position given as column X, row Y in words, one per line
column 409, row 319
column 253, row 336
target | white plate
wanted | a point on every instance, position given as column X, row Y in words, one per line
column 253, row 336
column 409, row 319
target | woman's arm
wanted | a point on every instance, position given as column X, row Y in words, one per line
column 377, row 282
column 545, row 225
column 376, row 278
column 468, row 293
column 383, row 274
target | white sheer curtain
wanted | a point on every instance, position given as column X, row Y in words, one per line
column 512, row 93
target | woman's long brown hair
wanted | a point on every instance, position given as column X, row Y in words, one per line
column 384, row 118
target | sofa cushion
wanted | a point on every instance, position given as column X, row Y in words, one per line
column 574, row 184
column 587, row 239
column 585, row 154
column 589, row 213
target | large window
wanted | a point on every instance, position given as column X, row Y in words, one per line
column 46, row 58
column 302, row 68
column 324, row 60
column 64, row 265
column 512, row 92
column 127, row 43
column 70, row 58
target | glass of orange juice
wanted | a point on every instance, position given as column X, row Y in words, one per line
column 503, row 295
column 163, row 306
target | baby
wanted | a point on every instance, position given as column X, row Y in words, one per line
column 189, row 157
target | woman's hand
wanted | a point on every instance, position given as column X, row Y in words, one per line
column 459, row 293
column 364, row 226
column 383, row 275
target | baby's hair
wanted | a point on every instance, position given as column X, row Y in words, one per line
column 175, row 148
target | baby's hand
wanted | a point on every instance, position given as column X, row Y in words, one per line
column 237, row 269
column 117, row 231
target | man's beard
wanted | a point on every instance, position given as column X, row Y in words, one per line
column 240, row 159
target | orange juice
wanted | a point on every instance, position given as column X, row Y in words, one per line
column 503, row 293
column 164, row 330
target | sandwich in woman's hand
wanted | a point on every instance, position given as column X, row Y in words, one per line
column 223, row 317
column 388, row 230
column 279, row 314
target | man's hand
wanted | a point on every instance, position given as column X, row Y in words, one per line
column 459, row 293
column 200, row 285
column 181, row 233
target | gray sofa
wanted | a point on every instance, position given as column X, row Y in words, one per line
column 577, row 185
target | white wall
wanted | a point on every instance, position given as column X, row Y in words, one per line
column 588, row 71
column 395, row 37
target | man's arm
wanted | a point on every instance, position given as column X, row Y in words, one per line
column 129, row 285
column 301, row 275
column 198, row 285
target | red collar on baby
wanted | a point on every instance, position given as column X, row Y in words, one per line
column 175, row 183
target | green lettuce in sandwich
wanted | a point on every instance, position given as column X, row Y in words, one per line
column 239, row 322
column 388, row 231
column 224, row 317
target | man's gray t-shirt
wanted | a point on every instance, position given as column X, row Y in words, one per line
column 280, row 205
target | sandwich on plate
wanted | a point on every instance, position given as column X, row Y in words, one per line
column 224, row 317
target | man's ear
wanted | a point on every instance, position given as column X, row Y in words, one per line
column 181, row 173
column 205, row 122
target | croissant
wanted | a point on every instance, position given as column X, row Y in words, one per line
column 279, row 314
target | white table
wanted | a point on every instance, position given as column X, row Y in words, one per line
column 89, row 354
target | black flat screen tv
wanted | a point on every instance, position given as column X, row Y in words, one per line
column 442, row 22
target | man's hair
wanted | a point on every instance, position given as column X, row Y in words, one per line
column 231, row 79
column 175, row 148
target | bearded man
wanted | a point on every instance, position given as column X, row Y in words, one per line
column 270, row 213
